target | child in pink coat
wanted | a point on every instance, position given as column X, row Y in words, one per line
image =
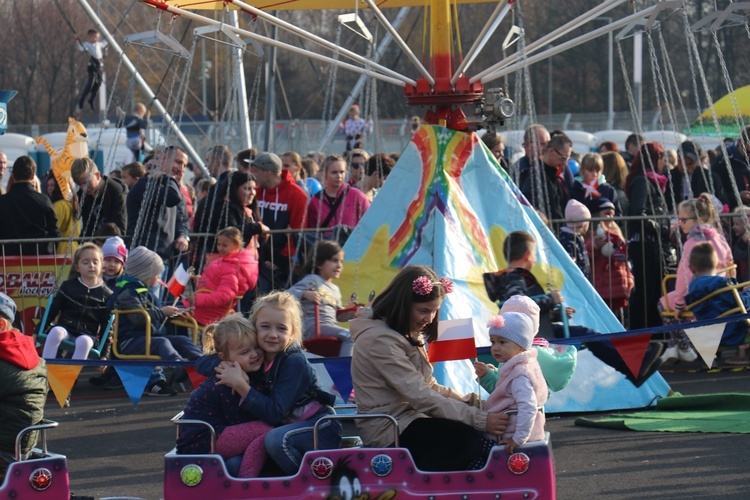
column 521, row 389
column 696, row 219
column 231, row 275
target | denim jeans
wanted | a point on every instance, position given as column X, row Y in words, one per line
column 287, row 444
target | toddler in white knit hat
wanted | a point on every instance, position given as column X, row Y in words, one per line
column 521, row 389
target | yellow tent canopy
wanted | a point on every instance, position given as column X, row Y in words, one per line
column 269, row 5
column 723, row 106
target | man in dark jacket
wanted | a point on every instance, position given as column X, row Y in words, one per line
column 102, row 198
column 156, row 208
column 23, row 391
column 690, row 179
column 554, row 193
column 737, row 162
column 26, row 214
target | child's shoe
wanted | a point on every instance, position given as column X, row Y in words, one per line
column 688, row 355
column 159, row 389
column 671, row 355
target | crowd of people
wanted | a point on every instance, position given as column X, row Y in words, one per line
column 670, row 200
column 262, row 396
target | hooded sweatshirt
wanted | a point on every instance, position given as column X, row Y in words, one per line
column 394, row 377
column 18, row 349
column 282, row 207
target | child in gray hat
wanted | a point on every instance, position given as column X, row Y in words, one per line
column 142, row 271
column 521, row 389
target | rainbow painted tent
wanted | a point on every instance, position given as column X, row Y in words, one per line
column 447, row 204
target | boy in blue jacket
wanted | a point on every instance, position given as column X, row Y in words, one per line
column 142, row 272
column 703, row 263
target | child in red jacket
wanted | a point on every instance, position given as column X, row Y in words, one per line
column 609, row 260
column 231, row 275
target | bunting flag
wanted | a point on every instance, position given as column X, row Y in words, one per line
column 706, row 340
column 61, row 380
column 632, row 350
column 448, row 204
column 455, row 341
column 134, row 379
column 341, row 375
column 195, row 378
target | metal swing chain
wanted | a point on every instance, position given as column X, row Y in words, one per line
column 656, row 71
column 693, row 49
column 707, row 177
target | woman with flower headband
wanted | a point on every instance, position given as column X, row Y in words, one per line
column 441, row 428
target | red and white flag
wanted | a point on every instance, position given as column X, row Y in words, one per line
column 177, row 283
column 455, row 341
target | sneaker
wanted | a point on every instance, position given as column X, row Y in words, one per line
column 651, row 362
column 159, row 389
column 671, row 355
column 688, row 355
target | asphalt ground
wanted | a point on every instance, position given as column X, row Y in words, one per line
column 116, row 449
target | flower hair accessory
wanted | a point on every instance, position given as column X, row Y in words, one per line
column 496, row 322
column 422, row 285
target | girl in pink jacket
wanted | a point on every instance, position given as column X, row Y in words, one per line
column 226, row 278
column 696, row 219
column 521, row 389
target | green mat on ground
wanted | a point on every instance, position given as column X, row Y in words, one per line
column 729, row 412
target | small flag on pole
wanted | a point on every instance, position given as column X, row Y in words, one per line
column 177, row 283
column 455, row 341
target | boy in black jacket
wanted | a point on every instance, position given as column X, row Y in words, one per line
column 520, row 252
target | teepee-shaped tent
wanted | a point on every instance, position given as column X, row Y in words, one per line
column 448, row 205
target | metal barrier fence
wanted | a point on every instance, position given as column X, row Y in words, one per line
column 29, row 279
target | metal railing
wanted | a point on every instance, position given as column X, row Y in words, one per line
column 32, row 279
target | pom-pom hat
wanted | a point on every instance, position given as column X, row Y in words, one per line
column 516, row 327
column 524, row 305
column 114, row 248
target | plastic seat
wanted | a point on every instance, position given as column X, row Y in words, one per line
column 68, row 345
column 686, row 314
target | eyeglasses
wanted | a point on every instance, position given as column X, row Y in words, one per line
column 683, row 220
column 357, row 165
column 564, row 157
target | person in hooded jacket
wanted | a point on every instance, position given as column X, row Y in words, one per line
column 282, row 205
column 23, row 391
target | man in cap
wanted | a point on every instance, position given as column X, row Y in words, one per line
column 282, row 205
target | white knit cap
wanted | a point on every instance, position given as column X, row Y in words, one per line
column 516, row 327
column 524, row 305
column 115, row 248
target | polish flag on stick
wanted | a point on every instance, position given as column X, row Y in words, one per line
column 455, row 341
column 177, row 283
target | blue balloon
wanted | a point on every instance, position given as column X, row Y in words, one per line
column 574, row 166
column 313, row 185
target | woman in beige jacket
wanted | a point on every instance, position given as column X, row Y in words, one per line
column 440, row 427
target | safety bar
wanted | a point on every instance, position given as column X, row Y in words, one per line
column 356, row 416
column 43, row 426
column 178, row 421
